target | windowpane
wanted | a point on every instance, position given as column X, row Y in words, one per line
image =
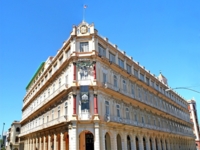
column 121, row 63
column 142, row 77
column 66, row 108
column 115, row 81
column 104, row 78
column 102, row 51
column 84, row 47
column 136, row 73
column 128, row 67
column 111, row 57
column 118, row 111
column 107, row 108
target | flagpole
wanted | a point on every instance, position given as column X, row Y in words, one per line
column 84, row 7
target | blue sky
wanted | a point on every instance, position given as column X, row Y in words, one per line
column 163, row 35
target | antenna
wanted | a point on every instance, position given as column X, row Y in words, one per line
column 84, row 7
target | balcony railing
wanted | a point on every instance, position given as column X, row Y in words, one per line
column 85, row 116
column 53, row 122
column 48, row 98
column 125, row 92
column 109, row 118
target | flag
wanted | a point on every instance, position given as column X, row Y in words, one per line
column 85, row 6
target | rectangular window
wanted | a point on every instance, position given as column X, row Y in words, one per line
column 118, row 110
column 111, row 57
column 127, row 114
column 135, row 73
column 132, row 90
column 66, row 79
column 104, row 78
column 147, row 81
column 121, row 63
column 102, row 51
column 107, row 108
column 66, row 108
column 58, row 111
column 59, row 82
column 136, row 117
column 128, row 67
column 84, row 47
column 152, row 84
column 141, row 77
column 52, row 114
column 61, row 60
column 47, row 118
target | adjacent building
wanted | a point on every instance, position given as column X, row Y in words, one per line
column 13, row 136
column 93, row 96
column 194, row 118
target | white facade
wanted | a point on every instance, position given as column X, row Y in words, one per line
column 92, row 96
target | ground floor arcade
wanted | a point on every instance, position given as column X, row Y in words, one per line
column 93, row 136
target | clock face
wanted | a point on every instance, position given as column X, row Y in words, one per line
column 84, row 29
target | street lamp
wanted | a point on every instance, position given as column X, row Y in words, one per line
column 170, row 89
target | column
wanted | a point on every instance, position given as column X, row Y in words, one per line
column 72, row 137
column 61, row 141
column 114, row 141
column 54, row 142
column 147, row 143
column 133, row 143
column 96, row 132
column 36, row 143
column 94, row 69
column 40, row 143
column 141, row 146
column 153, row 143
column 159, row 144
column 49, row 142
column 102, row 140
column 95, row 104
column 44, row 143
column 74, row 104
column 164, row 145
column 33, row 145
column 124, row 141
column 74, row 71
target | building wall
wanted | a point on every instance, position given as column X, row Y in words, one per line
column 125, row 99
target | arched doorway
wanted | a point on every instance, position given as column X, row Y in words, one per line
column 66, row 140
column 166, row 145
column 161, row 144
column 119, row 142
column 156, row 144
column 86, row 141
column 137, row 143
column 128, row 143
column 151, row 146
column 107, row 142
column 144, row 143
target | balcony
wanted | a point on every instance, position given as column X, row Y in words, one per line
column 47, row 99
column 48, row 124
column 84, row 116
column 116, row 119
column 126, row 93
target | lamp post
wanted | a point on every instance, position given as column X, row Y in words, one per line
column 2, row 135
column 170, row 89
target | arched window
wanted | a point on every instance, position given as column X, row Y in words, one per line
column 119, row 142
column 107, row 142
column 128, row 143
column 124, row 86
column 17, row 129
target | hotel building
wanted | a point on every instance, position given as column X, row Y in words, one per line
column 93, row 96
